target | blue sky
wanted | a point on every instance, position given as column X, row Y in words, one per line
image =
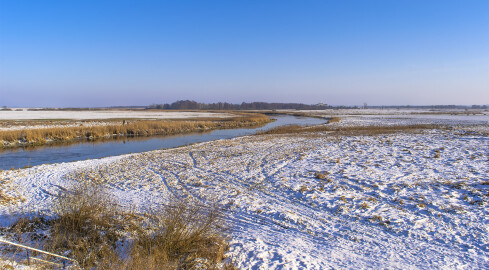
column 104, row 53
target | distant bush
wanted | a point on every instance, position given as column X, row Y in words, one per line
column 334, row 120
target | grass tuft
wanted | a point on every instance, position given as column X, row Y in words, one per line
column 91, row 229
column 334, row 120
column 350, row 131
column 185, row 235
column 87, row 226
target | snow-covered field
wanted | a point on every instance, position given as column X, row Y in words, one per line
column 421, row 119
column 391, row 111
column 22, row 119
column 309, row 201
column 102, row 114
column 105, row 114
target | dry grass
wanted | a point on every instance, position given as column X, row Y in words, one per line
column 352, row 131
column 88, row 226
column 364, row 205
column 298, row 114
column 321, row 175
column 6, row 199
column 183, row 237
column 334, row 120
column 91, row 229
column 40, row 136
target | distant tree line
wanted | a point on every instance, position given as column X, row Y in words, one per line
column 193, row 105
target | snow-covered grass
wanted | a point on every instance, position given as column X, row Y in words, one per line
column 385, row 120
column 402, row 200
column 25, row 119
column 10, row 264
column 391, row 111
column 470, row 121
column 104, row 114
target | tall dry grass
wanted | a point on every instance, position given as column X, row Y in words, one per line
column 91, row 229
column 87, row 227
column 185, row 235
column 40, row 136
column 334, row 119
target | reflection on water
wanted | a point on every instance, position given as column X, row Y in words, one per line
column 32, row 156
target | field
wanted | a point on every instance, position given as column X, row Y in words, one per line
column 35, row 128
column 317, row 198
column 26, row 114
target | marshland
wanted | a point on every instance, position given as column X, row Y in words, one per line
column 340, row 189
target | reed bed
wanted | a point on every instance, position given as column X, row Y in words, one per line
column 41, row 136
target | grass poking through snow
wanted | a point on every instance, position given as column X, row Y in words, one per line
column 90, row 228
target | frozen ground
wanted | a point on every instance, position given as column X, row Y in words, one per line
column 310, row 201
column 469, row 122
column 391, row 111
column 390, row 120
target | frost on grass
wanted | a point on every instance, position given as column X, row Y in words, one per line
column 417, row 200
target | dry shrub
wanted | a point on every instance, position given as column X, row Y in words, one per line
column 91, row 230
column 364, row 205
column 185, row 235
column 87, row 226
column 29, row 225
column 376, row 218
column 321, row 175
column 334, row 120
column 6, row 199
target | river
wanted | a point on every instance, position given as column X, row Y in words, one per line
column 31, row 156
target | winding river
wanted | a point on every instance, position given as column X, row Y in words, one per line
column 22, row 157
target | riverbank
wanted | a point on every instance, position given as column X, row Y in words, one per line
column 123, row 128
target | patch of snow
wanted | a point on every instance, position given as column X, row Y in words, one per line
column 105, row 114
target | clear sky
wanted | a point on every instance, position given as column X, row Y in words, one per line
column 103, row 53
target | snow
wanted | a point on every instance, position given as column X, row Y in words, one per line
column 404, row 111
column 103, row 114
column 10, row 264
column 16, row 120
column 389, row 120
column 310, row 201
